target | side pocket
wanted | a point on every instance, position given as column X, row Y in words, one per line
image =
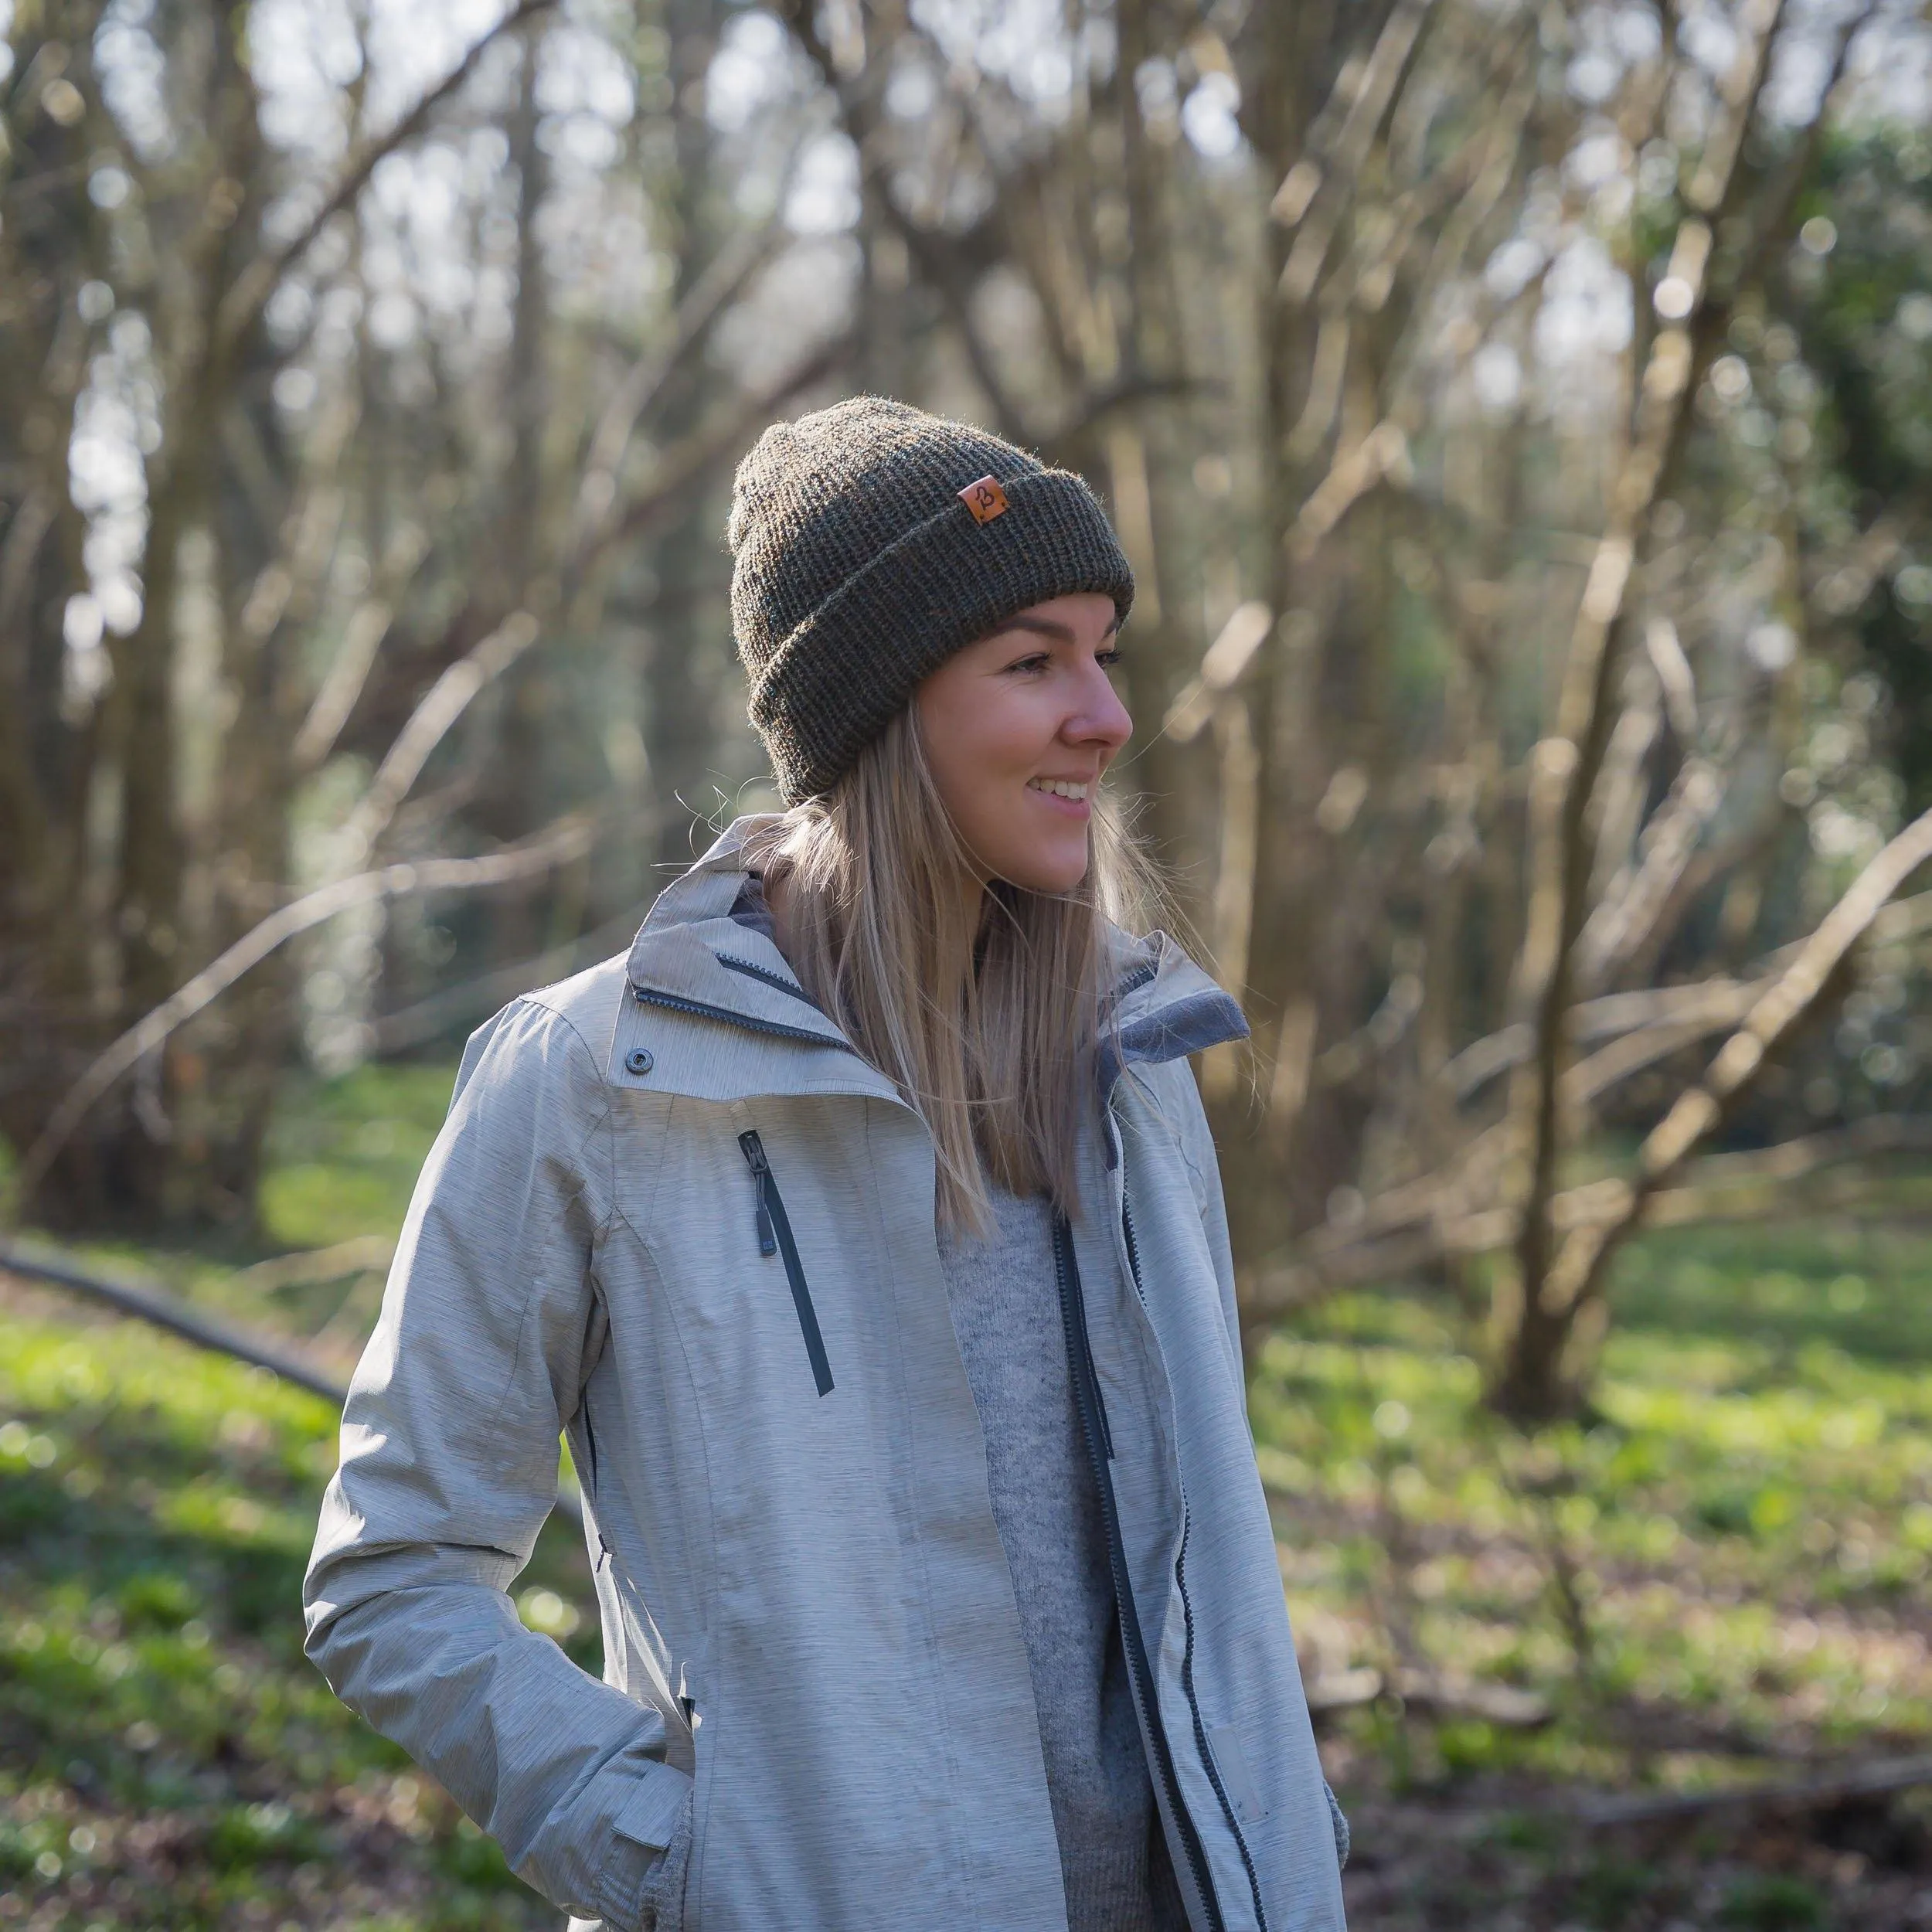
column 662, row 1903
column 1224, row 1741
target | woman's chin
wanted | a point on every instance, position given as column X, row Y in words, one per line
column 1036, row 872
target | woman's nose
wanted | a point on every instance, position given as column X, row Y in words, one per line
column 1100, row 718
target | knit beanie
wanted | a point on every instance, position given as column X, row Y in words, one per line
column 870, row 542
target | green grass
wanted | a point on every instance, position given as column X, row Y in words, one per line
column 343, row 1154
column 168, row 1757
column 1746, row 1522
column 1747, row 1517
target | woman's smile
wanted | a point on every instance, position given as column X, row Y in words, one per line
column 1062, row 796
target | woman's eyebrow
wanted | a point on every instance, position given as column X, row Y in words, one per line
column 1051, row 627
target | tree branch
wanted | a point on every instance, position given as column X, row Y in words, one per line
column 241, row 308
column 569, row 838
column 1578, row 1266
column 1565, row 765
column 444, row 703
column 722, row 280
column 685, row 462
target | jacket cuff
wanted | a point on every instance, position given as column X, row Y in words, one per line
column 644, row 1835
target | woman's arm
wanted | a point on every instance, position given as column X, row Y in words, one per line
column 449, row 1459
column 1204, row 1167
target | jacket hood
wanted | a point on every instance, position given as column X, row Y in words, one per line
column 706, row 949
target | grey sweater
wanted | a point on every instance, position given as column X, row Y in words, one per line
column 1005, row 1312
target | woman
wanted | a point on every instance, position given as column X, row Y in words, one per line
column 862, row 1229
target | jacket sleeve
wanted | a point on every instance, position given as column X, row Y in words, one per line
column 449, row 1464
column 1204, row 1164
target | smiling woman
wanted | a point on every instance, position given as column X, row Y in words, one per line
column 861, row 1226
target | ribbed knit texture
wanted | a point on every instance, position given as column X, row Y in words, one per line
column 857, row 569
column 1005, row 1312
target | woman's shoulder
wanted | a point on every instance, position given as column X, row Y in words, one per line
column 555, row 1037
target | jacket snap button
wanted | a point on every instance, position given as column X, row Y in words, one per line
column 639, row 1060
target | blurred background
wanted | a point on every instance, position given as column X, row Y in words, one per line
column 1519, row 417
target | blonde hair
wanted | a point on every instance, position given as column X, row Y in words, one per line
column 991, row 1033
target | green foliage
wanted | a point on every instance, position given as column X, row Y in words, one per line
column 1769, row 1902
column 163, row 1741
column 249, row 1835
column 1866, row 329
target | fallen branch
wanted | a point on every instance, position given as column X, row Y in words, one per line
column 569, row 839
column 1722, row 1002
column 1791, row 1160
column 147, row 1302
column 1869, row 1777
column 1418, row 1225
column 151, row 1304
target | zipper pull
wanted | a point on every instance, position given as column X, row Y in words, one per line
column 754, row 1154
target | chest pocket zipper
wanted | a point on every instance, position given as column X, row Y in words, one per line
column 774, row 1236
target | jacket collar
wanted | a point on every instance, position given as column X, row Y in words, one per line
column 693, row 955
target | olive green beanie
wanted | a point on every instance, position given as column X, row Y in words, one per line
column 865, row 553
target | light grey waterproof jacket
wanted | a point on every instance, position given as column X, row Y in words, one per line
column 673, row 1214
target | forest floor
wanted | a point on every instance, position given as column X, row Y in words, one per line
column 1715, row 1587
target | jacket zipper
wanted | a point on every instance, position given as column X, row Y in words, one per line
column 646, row 996
column 1187, row 1619
column 746, row 969
column 1093, row 1414
column 774, row 1234
column 587, row 1479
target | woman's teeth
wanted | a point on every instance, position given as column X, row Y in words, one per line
column 1059, row 787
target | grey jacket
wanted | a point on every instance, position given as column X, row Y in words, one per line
column 672, row 1213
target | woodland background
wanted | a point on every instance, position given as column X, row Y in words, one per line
column 1519, row 417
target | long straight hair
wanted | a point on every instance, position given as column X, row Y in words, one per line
column 990, row 1031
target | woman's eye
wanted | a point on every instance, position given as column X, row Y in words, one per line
column 1029, row 667
column 1106, row 660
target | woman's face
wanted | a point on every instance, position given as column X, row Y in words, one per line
column 1018, row 728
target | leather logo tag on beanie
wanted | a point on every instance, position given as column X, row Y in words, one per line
column 985, row 499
